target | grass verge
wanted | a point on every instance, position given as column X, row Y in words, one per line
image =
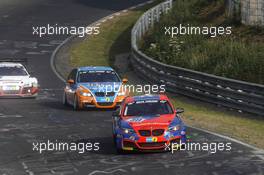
column 238, row 56
column 114, row 39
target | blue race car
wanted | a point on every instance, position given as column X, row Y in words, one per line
column 147, row 122
column 98, row 87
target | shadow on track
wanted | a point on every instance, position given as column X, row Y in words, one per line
column 59, row 106
column 107, row 147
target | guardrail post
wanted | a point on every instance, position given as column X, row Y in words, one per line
column 143, row 26
column 140, row 29
column 154, row 15
column 168, row 6
column 163, row 9
column 158, row 13
column 147, row 21
column 152, row 18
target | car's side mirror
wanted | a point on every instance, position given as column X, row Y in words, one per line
column 179, row 110
column 70, row 81
column 125, row 80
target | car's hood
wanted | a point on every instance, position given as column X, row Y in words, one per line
column 102, row 87
column 145, row 122
column 13, row 78
column 17, row 80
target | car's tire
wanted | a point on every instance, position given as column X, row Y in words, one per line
column 32, row 97
column 64, row 100
column 35, row 96
column 120, row 151
column 75, row 103
column 114, row 139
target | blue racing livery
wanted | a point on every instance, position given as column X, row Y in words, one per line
column 147, row 131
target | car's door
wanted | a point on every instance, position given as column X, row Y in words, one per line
column 71, row 86
column 116, row 117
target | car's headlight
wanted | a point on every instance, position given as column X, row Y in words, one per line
column 175, row 128
column 86, row 94
column 34, row 84
column 121, row 93
column 128, row 131
column 28, row 85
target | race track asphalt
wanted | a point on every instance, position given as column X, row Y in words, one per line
column 24, row 121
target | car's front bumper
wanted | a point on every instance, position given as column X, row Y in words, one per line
column 142, row 145
column 23, row 92
column 91, row 102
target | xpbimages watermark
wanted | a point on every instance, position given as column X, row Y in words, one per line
column 131, row 88
column 212, row 31
column 80, row 147
column 81, row 31
column 211, row 147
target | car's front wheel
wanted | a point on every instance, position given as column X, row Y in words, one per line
column 64, row 100
column 75, row 103
column 121, row 151
column 114, row 139
column 118, row 150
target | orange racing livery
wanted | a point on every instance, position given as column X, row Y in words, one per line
column 99, row 87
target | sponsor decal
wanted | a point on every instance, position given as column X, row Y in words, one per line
column 138, row 119
column 151, row 139
column 107, row 99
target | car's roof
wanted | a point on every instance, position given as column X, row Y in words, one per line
column 10, row 64
column 95, row 68
column 146, row 97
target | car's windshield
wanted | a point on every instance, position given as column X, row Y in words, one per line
column 12, row 71
column 97, row 76
column 151, row 107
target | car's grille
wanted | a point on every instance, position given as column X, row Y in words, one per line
column 152, row 144
column 105, row 103
column 11, row 92
column 11, row 82
column 144, row 133
column 129, row 144
column 104, row 94
column 157, row 132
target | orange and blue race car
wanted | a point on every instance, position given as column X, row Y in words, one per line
column 99, row 87
column 147, row 123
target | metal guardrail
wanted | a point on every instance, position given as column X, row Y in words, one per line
column 239, row 95
column 233, row 7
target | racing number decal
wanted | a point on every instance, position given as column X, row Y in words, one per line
column 151, row 139
column 107, row 99
column 154, row 139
